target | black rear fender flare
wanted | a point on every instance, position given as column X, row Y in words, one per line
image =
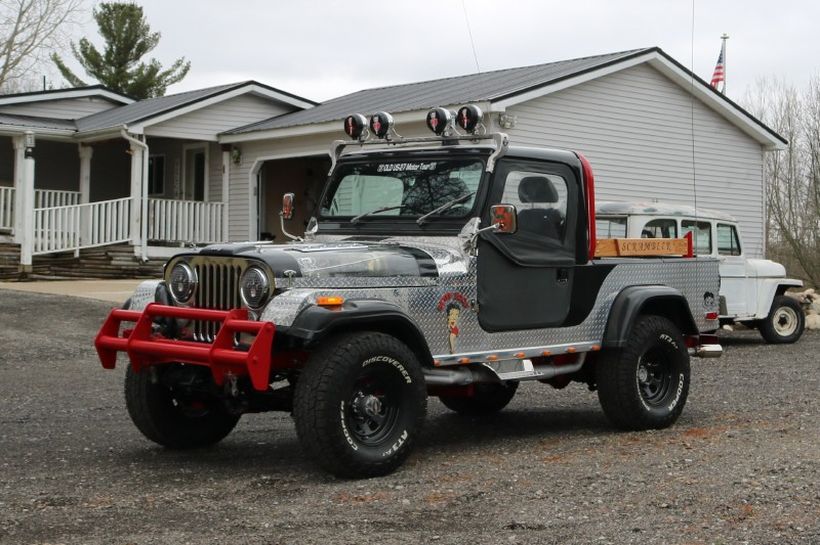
column 635, row 301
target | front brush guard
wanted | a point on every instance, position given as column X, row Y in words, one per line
column 145, row 347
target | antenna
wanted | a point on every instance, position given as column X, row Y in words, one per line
column 470, row 32
column 692, row 120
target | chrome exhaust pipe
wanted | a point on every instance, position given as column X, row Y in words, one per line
column 707, row 351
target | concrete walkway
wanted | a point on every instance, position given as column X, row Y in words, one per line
column 115, row 291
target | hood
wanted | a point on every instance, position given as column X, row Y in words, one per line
column 335, row 264
column 765, row 268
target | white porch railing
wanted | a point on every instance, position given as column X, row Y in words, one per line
column 184, row 221
column 64, row 228
column 6, row 208
column 50, row 198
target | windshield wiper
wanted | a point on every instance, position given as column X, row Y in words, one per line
column 445, row 206
column 376, row 211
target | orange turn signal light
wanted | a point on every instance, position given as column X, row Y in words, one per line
column 330, row 301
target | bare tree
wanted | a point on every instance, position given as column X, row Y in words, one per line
column 30, row 30
column 793, row 174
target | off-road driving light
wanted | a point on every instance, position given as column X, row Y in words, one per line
column 380, row 124
column 182, row 282
column 438, row 119
column 469, row 117
column 355, row 125
column 254, row 287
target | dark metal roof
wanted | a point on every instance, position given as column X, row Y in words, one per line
column 36, row 122
column 45, row 93
column 485, row 86
column 145, row 109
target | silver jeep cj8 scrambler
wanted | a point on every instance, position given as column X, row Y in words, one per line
column 454, row 265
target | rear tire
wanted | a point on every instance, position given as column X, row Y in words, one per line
column 785, row 322
column 644, row 385
column 172, row 419
column 360, row 404
column 487, row 399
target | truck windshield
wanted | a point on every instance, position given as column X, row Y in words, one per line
column 368, row 191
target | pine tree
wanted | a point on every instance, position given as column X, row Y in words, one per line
column 128, row 38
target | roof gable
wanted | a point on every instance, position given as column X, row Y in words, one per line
column 159, row 109
column 94, row 91
column 503, row 88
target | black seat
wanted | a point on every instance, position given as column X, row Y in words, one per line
column 544, row 221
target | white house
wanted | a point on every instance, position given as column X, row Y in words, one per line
column 219, row 159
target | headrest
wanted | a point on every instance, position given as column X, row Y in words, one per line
column 536, row 189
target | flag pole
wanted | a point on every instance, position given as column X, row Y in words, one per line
column 724, row 37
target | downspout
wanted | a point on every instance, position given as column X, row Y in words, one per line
column 143, row 192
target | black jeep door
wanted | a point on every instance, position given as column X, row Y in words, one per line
column 525, row 279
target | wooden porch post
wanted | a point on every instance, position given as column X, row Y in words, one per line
column 226, row 188
column 86, row 152
column 19, row 157
column 25, row 213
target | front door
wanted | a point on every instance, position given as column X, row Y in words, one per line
column 195, row 161
column 525, row 279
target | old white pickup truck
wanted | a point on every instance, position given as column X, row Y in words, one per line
column 752, row 291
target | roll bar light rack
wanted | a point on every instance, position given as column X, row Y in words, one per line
column 443, row 123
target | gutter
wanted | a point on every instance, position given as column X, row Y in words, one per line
column 143, row 192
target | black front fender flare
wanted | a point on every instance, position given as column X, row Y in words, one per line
column 316, row 323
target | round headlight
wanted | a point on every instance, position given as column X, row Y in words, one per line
column 254, row 287
column 182, row 282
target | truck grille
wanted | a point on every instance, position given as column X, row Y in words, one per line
column 218, row 288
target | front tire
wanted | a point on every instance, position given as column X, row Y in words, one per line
column 645, row 384
column 360, row 404
column 785, row 322
column 171, row 417
column 487, row 399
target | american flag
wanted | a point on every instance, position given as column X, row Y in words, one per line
column 719, row 75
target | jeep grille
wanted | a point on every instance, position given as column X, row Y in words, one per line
column 217, row 288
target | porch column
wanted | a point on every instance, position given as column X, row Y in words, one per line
column 25, row 212
column 136, row 195
column 226, row 187
column 85, row 152
column 19, row 143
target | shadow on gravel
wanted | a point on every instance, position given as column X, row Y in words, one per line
column 452, row 431
column 737, row 340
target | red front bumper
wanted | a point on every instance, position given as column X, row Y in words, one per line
column 145, row 347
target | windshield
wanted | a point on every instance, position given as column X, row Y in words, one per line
column 368, row 191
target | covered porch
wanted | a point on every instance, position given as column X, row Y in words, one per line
column 59, row 195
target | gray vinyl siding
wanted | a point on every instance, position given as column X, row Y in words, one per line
column 66, row 108
column 635, row 127
column 214, row 172
column 207, row 122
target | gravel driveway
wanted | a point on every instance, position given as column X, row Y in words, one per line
column 741, row 466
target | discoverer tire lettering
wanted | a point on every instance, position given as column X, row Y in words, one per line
column 359, row 404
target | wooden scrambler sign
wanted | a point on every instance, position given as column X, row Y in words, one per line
column 616, row 247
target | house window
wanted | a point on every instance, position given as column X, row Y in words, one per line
column 702, row 235
column 156, row 175
column 728, row 243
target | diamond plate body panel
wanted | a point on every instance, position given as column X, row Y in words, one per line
column 456, row 283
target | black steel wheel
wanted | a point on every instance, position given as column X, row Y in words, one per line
column 359, row 404
column 645, row 384
column 785, row 322
column 487, row 399
column 172, row 408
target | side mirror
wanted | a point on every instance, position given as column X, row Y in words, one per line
column 505, row 217
column 287, row 205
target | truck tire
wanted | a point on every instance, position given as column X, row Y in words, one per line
column 785, row 322
column 487, row 399
column 360, row 404
column 644, row 385
column 170, row 419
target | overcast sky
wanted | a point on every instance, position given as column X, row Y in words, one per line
column 320, row 50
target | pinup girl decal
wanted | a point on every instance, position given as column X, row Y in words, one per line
column 452, row 303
